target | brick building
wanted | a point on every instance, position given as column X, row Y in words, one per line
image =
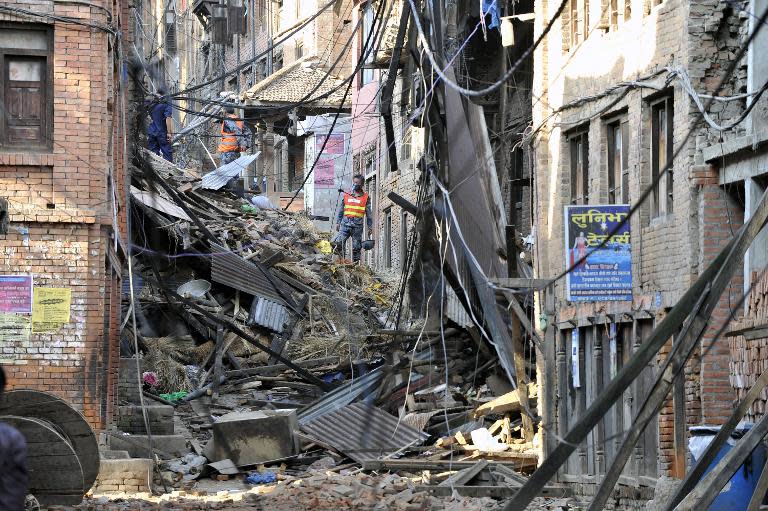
column 62, row 159
column 614, row 83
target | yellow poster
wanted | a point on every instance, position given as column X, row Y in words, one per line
column 50, row 308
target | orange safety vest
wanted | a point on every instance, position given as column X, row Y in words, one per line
column 354, row 207
column 229, row 140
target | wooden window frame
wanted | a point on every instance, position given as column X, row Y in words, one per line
column 403, row 238
column 618, row 178
column 366, row 74
column 662, row 198
column 46, row 111
column 579, row 176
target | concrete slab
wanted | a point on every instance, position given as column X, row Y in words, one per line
column 249, row 438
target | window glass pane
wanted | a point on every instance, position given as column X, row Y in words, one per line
column 23, row 39
column 25, row 69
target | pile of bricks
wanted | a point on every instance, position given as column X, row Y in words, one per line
column 123, row 475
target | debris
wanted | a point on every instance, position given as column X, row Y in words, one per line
column 249, row 438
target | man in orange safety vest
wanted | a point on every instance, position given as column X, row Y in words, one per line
column 234, row 137
column 349, row 220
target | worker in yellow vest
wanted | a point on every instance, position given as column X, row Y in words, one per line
column 349, row 221
column 234, row 137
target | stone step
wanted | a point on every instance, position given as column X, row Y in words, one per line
column 166, row 446
column 131, row 420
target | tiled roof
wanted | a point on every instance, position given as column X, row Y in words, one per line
column 293, row 82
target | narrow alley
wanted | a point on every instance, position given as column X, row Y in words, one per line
column 383, row 254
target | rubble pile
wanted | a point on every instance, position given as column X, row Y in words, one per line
column 282, row 366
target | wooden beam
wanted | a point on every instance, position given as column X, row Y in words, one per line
column 521, row 283
column 509, row 402
column 491, row 491
column 710, row 486
column 464, row 476
column 760, row 490
column 520, row 313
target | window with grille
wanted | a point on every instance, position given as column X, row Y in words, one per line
column 366, row 73
column 579, row 153
column 618, row 162
column 661, row 156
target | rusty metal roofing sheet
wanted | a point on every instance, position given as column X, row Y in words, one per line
column 363, row 432
column 232, row 270
column 268, row 314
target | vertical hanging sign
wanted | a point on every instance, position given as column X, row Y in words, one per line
column 575, row 358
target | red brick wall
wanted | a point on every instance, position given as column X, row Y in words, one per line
column 720, row 218
column 62, row 215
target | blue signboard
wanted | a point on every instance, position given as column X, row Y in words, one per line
column 599, row 273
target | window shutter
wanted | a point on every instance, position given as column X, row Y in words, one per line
column 24, row 97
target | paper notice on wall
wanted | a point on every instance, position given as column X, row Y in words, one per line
column 14, row 328
column 16, row 294
column 575, row 358
column 50, row 308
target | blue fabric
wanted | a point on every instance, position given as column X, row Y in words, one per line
column 490, row 7
column 351, row 228
column 13, row 469
column 265, row 477
column 159, row 112
column 159, row 144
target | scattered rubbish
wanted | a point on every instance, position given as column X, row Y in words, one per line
column 266, row 477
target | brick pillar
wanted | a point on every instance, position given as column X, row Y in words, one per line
column 720, row 218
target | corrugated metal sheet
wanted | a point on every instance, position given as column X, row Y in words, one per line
column 159, row 203
column 342, row 396
column 216, row 179
column 232, row 270
column 363, row 432
column 268, row 314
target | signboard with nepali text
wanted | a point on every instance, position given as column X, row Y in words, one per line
column 325, row 169
column 598, row 273
column 16, row 294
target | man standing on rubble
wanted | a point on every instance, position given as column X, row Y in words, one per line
column 349, row 221
column 234, row 137
column 160, row 130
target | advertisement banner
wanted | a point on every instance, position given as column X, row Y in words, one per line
column 604, row 273
column 324, row 173
column 16, row 294
column 335, row 144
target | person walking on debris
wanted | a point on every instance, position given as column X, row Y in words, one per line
column 234, row 137
column 160, row 130
column 13, row 464
column 349, row 221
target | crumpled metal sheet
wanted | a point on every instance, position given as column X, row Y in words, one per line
column 268, row 314
column 363, row 432
column 216, row 179
column 232, row 270
column 342, row 396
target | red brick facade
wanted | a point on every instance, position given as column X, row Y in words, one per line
column 65, row 204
